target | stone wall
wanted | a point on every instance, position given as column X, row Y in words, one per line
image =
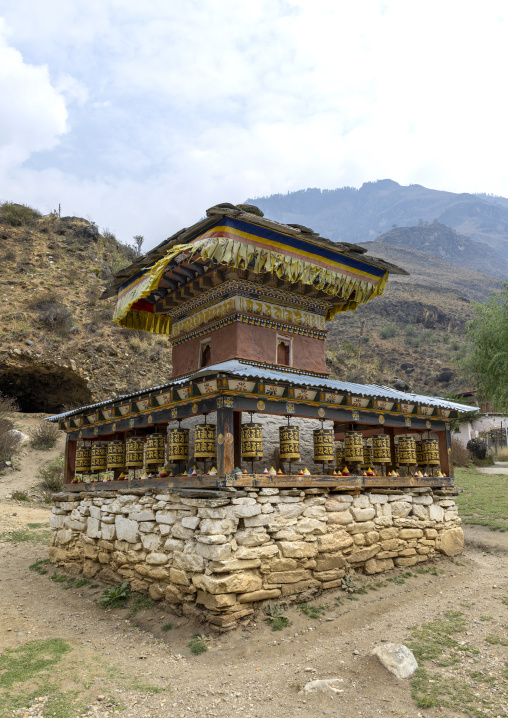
column 216, row 554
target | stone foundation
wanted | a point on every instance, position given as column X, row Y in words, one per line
column 217, row 554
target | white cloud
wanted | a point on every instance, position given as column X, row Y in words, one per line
column 32, row 113
column 173, row 107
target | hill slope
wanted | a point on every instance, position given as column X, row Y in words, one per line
column 360, row 215
column 443, row 242
column 58, row 345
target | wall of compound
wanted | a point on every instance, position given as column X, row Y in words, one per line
column 221, row 556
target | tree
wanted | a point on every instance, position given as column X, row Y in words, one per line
column 487, row 363
column 137, row 244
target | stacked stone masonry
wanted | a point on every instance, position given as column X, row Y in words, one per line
column 217, row 558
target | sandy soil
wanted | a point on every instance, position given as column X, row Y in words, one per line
column 252, row 672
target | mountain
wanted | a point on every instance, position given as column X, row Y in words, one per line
column 58, row 345
column 444, row 243
column 359, row 215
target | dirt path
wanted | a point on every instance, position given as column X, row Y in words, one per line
column 499, row 468
column 251, row 672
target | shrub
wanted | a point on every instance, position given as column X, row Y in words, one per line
column 460, row 455
column 44, row 436
column 20, row 496
column 18, row 215
column 9, row 442
column 53, row 315
column 197, row 644
column 52, row 477
column 388, row 332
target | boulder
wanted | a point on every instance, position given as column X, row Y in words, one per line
column 450, row 542
column 396, row 658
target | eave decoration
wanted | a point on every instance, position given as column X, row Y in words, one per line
column 241, row 245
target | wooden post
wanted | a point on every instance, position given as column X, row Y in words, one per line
column 445, row 455
column 237, row 434
column 225, row 441
column 70, row 460
column 391, row 433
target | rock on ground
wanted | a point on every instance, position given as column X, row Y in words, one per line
column 397, row 658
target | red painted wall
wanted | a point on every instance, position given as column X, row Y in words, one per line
column 250, row 342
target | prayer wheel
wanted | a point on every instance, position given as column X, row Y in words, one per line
column 339, row 455
column 289, row 437
column 252, row 441
column 178, row 445
column 353, row 443
column 407, row 450
column 116, row 455
column 83, row 459
column 421, row 458
column 204, row 441
column 381, row 449
column 99, row 457
column 134, row 449
column 155, row 450
column 323, row 445
column 431, row 452
column 368, row 454
column 397, row 463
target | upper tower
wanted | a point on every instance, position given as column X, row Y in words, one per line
column 239, row 286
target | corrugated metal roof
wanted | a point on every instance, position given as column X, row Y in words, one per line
column 240, row 368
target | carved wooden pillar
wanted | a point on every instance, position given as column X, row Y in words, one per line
column 225, row 437
column 237, row 434
column 444, row 440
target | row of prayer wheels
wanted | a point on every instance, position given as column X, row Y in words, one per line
column 135, row 452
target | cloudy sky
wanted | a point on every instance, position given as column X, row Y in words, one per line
column 139, row 115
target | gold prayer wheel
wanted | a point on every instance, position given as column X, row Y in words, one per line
column 353, row 443
column 155, row 453
column 83, row 459
column 204, row 441
column 99, row 457
column 339, row 455
column 178, row 445
column 116, row 455
column 407, row 450
column 381, row 449
column 323, row 445
column 368, row 454
column 431, row 452
column 134, row 447
column 252, row 441
column 289, row 438
column 421, row 458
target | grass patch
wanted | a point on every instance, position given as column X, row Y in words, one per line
column 22, row 535
column 26, row 672
column 168, row 626
column 484, row 501
column 82, row 582
column 312, row 611
column 20, row 496
column 436, row 642
column 197, row 644
column 40, row 566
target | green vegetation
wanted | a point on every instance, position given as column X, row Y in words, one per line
column 487, row 362
column 51, row 478
column 276, row 617
column 312, row 611
column 116, row 596
column 168, row 626
column 40, row 566
column 140, row 603
column 484, row 501
column 28, row 672
column 44, row 435
column 197, row 644
column 437, row 643
column 18, row 215
column 33, row 535
column 388, row 332
column 20, row 496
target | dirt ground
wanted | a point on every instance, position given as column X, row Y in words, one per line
column 132, row 667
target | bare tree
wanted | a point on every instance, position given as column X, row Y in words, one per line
column 138, row 243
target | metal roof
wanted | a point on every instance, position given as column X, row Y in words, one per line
column 246, row 369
